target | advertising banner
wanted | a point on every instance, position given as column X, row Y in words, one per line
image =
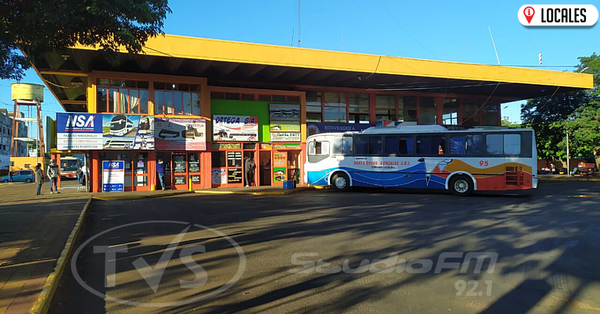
column 127, row 132
column 284, row 112
column 180, row 134
column 279, row 167
column 235, row 128
column 284, row 126
column 75, row 131
column 84, row 131
column 219, row 176
column 285, row 137
column 113, row 176
column 316, row 128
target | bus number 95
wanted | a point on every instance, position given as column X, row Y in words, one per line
column 483, row 163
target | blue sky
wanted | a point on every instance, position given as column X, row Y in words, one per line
column 438, row 30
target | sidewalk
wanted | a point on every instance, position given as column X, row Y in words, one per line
column 255, row 190
column 33, row 232
column 563, row 177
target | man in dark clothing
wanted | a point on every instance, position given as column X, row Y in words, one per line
column 160, row 170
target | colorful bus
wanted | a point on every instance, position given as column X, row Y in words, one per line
column 69, row 166
column 461, row 160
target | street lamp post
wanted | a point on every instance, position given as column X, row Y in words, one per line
column 568, row 158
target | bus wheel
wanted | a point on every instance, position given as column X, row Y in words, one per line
column 341, row 182
column 461, row 185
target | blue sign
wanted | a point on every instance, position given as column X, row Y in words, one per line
column 317, row 128
column 113, row 176
column 78, row 123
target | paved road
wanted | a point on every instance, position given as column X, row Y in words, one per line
column 547, row 247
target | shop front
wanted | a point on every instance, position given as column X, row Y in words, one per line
column 180, row 144
column 261, row 148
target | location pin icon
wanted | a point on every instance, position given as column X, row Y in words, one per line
column 529, row 12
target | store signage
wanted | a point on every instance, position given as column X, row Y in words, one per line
column 235, row 128
column 285, row 137
column 180, row 134
column 219, row 176
column 75, row 131
column 127, row 132
column 82, row 131
column 317, row 128
column 284, row 126
column 113, row 175
column 226, row 145
column 284, row 112
column 287, row 146
column 279, row 167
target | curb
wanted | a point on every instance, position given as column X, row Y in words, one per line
column 135, row 197
column 570, row 179
column 282, row 192
column 42, row 304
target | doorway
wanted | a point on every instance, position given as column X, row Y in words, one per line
column 166, row 158
column 265, row 168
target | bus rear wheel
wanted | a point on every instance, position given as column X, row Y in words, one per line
column 341, row 182
column 461, row 185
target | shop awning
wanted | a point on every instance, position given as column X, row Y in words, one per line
column 238, row 64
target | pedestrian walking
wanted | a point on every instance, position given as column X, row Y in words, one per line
column 160, row 170
column 39, row 178
column 53, row 172
column 249, row 165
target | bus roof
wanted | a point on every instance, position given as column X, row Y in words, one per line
column 433, row 128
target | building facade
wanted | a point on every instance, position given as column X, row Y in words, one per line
column 206, row 106
column 6, row 122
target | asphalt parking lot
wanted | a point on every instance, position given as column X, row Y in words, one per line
column 370, row 251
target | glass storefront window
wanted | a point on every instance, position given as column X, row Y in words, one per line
column 234, row 159
column 313, row 106
column 450, row 111
column 193, row 162
column 119, row 96
column 489, row 114
column 177, row 99
column 335, row 114
column 470, row 113
column 179, row 165
column 358, row 103
column 218, row 160
column 408, row 104
column 335, row 107
column 427, row 110
column 385, row 107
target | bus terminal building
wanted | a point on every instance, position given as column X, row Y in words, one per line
column 203, row 106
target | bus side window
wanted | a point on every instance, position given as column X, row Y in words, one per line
column 424, row 145
column 406, row 145
column 391, row 146
column 375, row 145
column 347, row 145
column 494, row 144
column 360, row 145
column 458, row 145
column 318, row 151
column 336, row 146
column 474, row 145
column 512, row 144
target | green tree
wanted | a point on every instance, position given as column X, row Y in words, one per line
column 39, row 26
column 552, row 116
column 506, row 122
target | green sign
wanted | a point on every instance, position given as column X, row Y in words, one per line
column 284, row 126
